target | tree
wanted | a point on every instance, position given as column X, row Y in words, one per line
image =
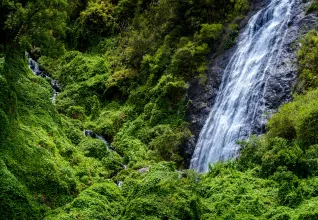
column 94, row 23
column 34, row 23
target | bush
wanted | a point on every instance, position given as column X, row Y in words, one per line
column 94, row 148
column 308, row 62
column 296, row 120
column 312, row 160
column 211, row 32
column 167, row 141
column 100, row 201
column 187, row 59
column 77, row 67
column 229, row 194
column 160, row 194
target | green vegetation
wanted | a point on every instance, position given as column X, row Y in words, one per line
column 308, row 62
column 123, row 67
column 313, row 7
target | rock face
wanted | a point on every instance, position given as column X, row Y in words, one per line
column 278, row 88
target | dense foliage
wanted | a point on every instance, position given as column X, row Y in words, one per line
column 124, row 68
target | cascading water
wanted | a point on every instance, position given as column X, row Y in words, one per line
column 89, row 133
column 36, row 70
column 240, row 100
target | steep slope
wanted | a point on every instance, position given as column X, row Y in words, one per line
column 128, row 84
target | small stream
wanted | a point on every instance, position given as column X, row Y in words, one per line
column 89, row 133
column 34, row 66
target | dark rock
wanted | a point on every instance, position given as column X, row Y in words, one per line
column 89, row 133
column 56, row 86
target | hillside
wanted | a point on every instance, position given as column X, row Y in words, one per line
column 124, row 69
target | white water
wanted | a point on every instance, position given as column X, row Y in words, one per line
column 240, row 98
column 89, row 133
column 34, row 66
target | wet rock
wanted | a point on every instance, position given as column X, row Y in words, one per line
column 56, row 86
column 120, row 183
column 89, row 133
column 143, row 170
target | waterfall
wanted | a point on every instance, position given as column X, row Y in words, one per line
column 240, row 101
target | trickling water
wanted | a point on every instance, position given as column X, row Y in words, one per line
column 36, row 70
column 241, row 94
column 89, row 133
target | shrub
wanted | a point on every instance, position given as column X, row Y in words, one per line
column 187, row 59
column 93, row 148
column 100, row 201
column 77, row 67
column 160, row 193
column 296, row 120
column 167, row 141
column 308, row 61
column 211, row 32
